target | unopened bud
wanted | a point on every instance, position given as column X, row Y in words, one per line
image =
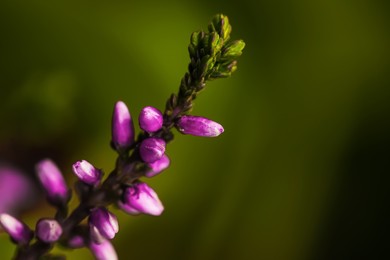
column 52, row 181
column 86, row 172
column 150, row 119
column 122, row 127
column 199, row 126
column 17, row 230
column 140, row 198
column 105, row 222
column 152, row 149
column 48, row 230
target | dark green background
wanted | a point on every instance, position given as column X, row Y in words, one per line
column 302, row 170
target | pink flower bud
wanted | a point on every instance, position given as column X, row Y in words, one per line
column 48, row 230
column 17, row 230
column 150, row 119
column 140, row 198
column 52, row 180
column 86, row 172
column 105, row 222
column 199, row 126
column 122, row 127
column 152, row 149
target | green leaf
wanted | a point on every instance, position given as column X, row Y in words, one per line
column 220, row 24
column 233, row 49
column 195, row 38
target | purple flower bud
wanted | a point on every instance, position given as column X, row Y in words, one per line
column 158, row 166
column 122, row 126
column 199, row 126
column 17, row 230
column 86, row 172
column 140, row 198
column 52, row 180
column 150, row 119
column 152, row 149
column 103, row 251
column 105, row 222
column 48, row 230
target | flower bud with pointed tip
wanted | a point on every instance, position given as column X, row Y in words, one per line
column 150, row 119
column 103, row 251
column 18, row 231
column 105, row 222
column 122, row 127
column 199, row 126
column 48, row 230
column 52, row 180
column 158, row 166
column 152, row 149
column 86, row 172
column 140, row 198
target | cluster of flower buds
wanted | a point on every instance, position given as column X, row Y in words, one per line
column 150, row 120
column 137, row 197
column 152, row 148
column 103, row 224
column 212, row 56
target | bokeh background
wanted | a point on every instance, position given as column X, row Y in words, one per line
column 302, row 170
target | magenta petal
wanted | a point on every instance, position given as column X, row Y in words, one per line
column 152, row 149
column 150, row 119
column 17, row 230
column 140, row 197
column 52, row 180
column 128, row 208
column 105, row 222
column 86, row 172
column 122, row 126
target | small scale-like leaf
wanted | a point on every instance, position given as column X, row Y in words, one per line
column 233, row 49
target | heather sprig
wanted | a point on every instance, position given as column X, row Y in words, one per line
column 212, row 55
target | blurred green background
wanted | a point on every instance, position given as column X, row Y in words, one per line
column 301, row 171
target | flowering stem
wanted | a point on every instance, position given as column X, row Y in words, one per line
column 212, row 56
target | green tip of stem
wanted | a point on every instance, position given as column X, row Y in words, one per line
column 220, row 24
